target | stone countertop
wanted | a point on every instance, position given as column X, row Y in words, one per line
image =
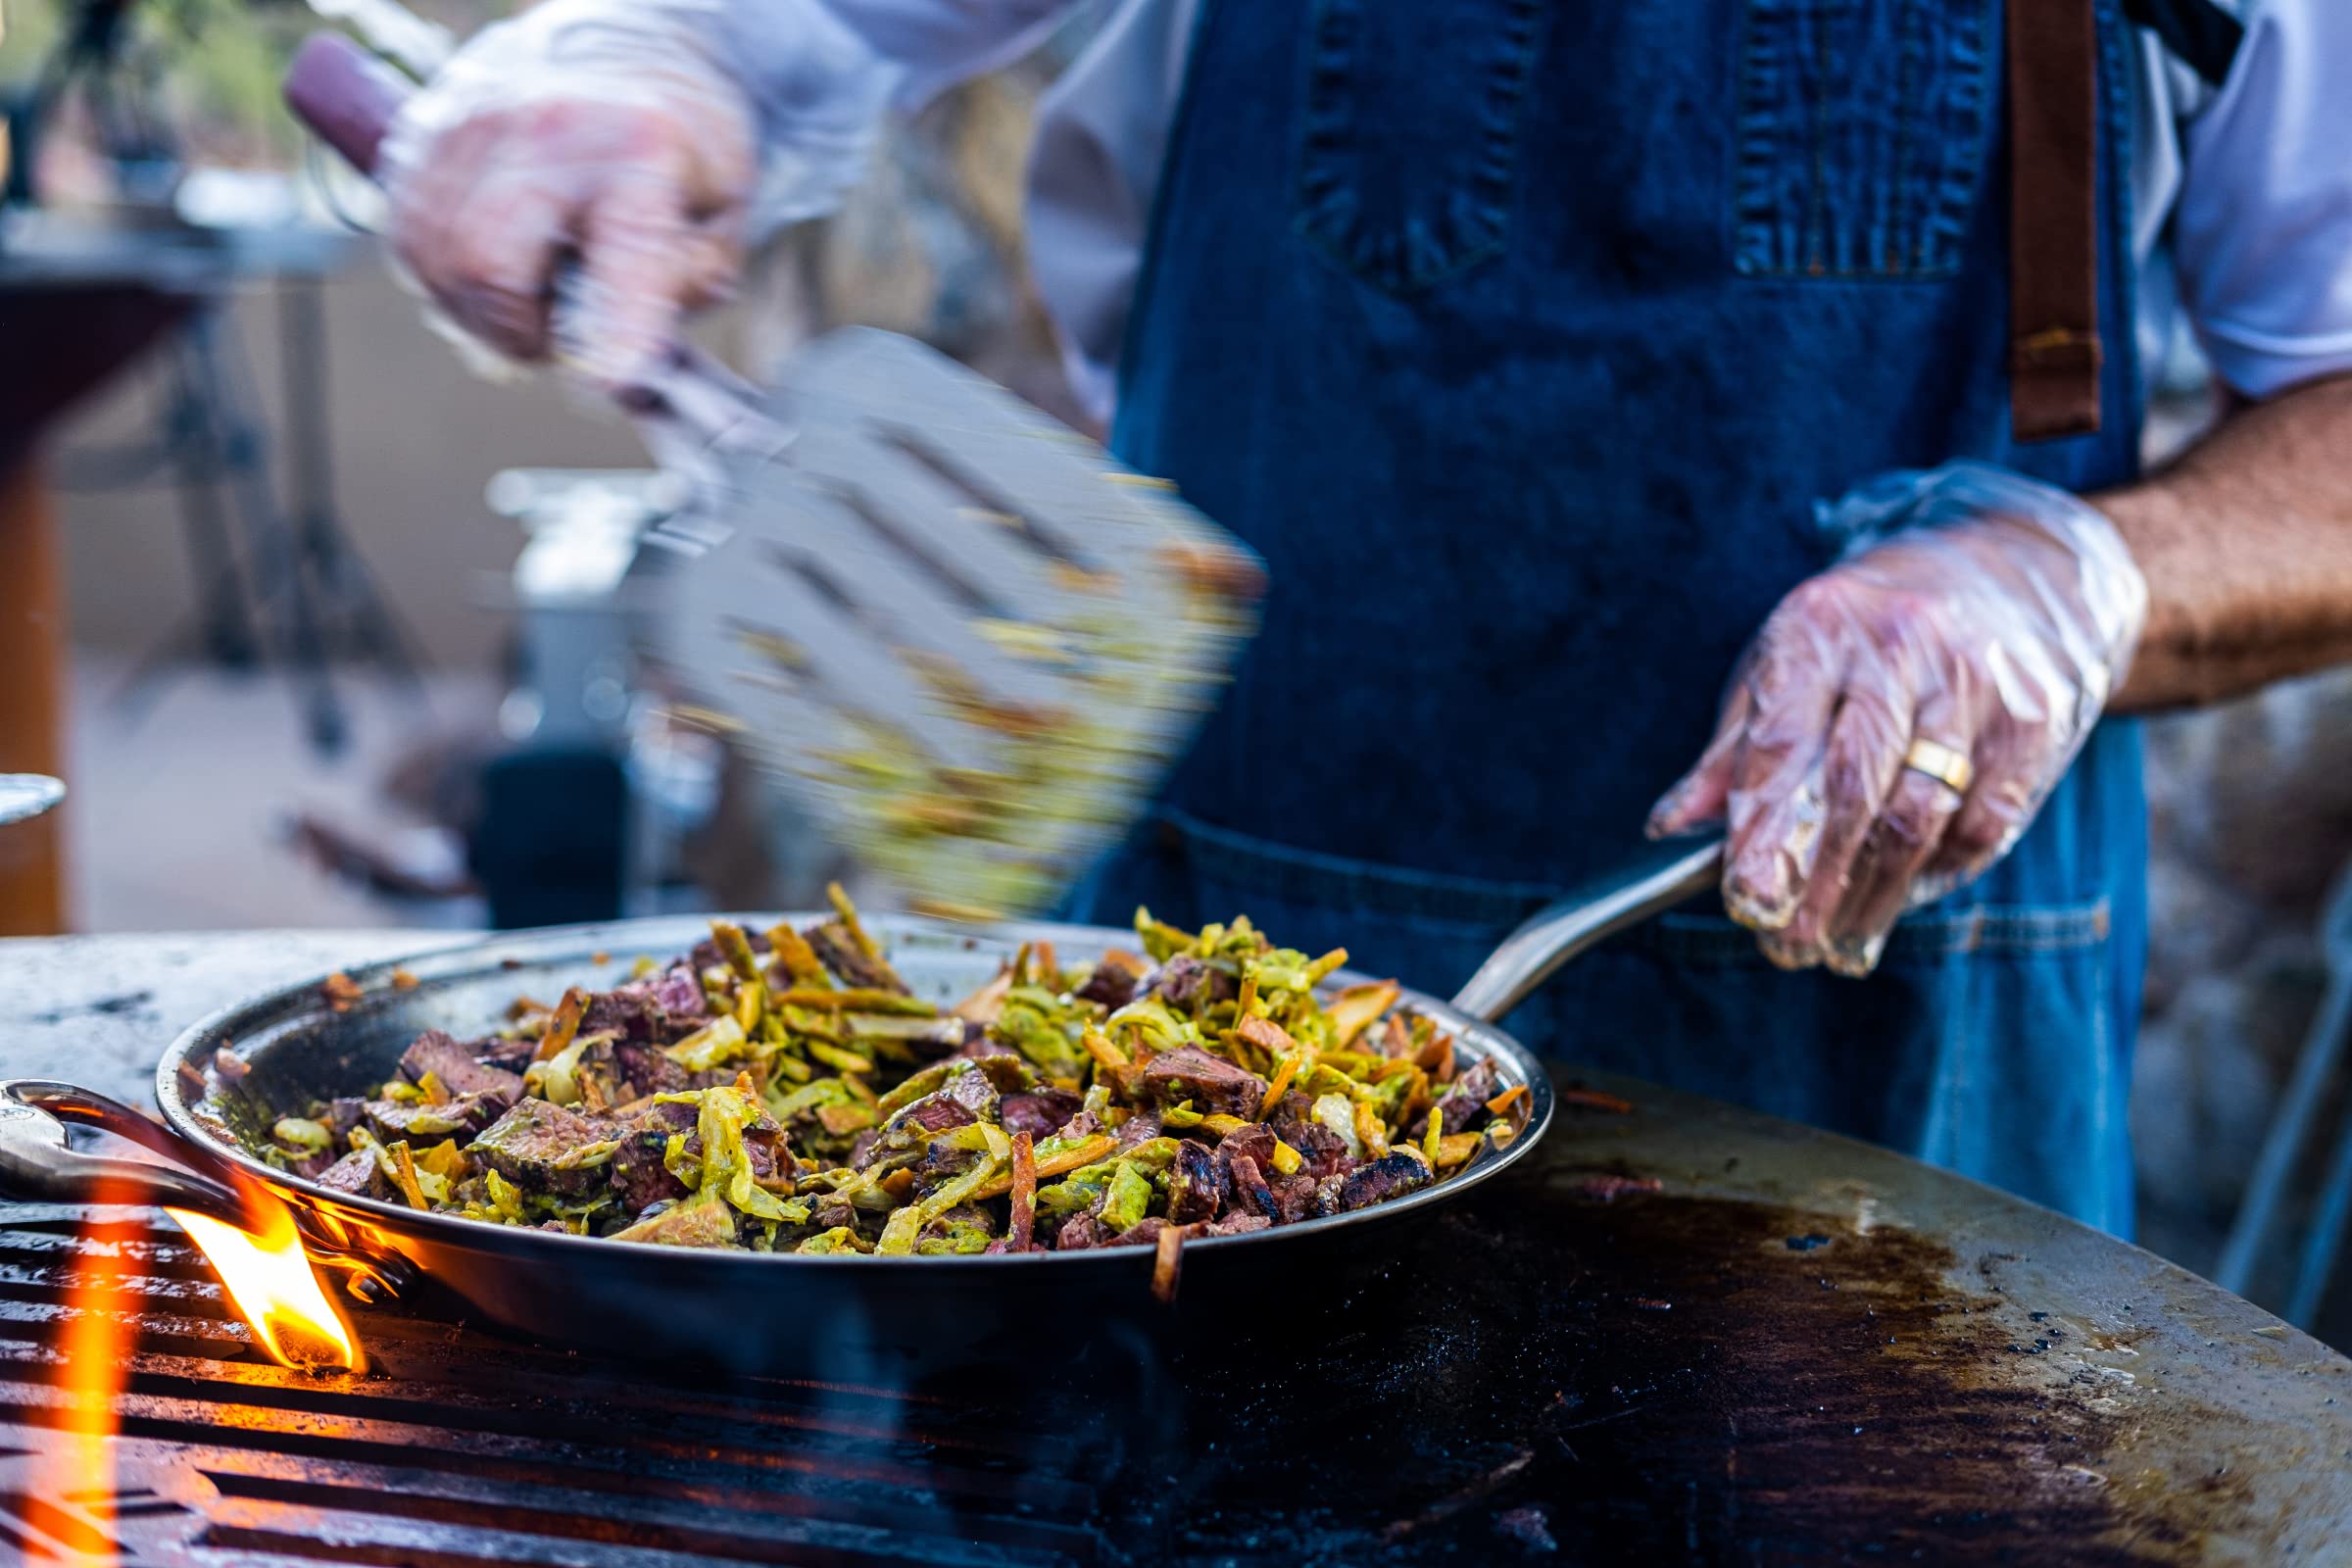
column 98, row 1010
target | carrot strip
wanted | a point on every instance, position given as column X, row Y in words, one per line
column 1056, row 1164
column 1594, row 1099
column 563, row 1026
column 1023, row 1228
column 1281, row 1083
column 1102, row 1051
column 1506, row 1100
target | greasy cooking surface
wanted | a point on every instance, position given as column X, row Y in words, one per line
column 1661, row 1377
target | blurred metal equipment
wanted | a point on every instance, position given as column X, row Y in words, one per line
column 2259, row 1229
column 24, row 796
column 583, row 818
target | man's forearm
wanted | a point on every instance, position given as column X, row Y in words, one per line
column 2247, row 542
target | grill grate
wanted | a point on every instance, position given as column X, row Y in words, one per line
column 461, row 1451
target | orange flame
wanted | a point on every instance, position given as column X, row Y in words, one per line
column 94, row 1345
column 268, row 1277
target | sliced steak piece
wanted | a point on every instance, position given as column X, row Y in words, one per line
column 416, row 1121
column 1184, row 982
column 545, row 1149
column 1041, row 1113
column 1112, row 984
column 1296, row 1197
column 1379, row 1180
column 644, row 1070
column 638, row 1175
column 1321, row 1151
column 627, row 1013
column 1078, row 1233
column 1257, row 1141
column 357, row 1174
column 342, row 1116
column 452, row 1061
column 1211, row 1083
column 1144, row 1231
column 684, row 1008
column 1195, row 1186
column 1140, row 1128
column 1463, row 1105
column 496, row 1052
column 1248, row 1190
column 1239, row 1225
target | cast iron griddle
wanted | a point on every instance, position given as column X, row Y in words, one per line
column 1795, row 1349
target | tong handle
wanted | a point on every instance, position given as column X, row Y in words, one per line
column 1560, row 931
column 37, row 1165
column 346, row 95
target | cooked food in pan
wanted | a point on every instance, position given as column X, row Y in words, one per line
column 785, row 1093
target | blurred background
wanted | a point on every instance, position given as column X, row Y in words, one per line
column 326, row 628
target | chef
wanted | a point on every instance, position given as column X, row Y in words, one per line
column 1653, row 416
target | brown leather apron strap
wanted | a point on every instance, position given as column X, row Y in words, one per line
column 2054, row 351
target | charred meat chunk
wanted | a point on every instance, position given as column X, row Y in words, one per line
column 1113, row 985
column 1237, row 1225
column 1078, row 1233
column 1377, row 1181
column 420, row 1121
column 357, row 1174
column 1211, row 1083
column 1142, row 1233
column 1248, row 1190
column 638, row 1175
column 1140, row 1128
column 452, row 1062
column 680, row 996
column 542, row 1148
column 1463, row 1105
column 1195, row 1187
column 1186, row 983
column 1296, row 1197
column 1321, row 1151
column 631, row 1012
column 1040, row 1113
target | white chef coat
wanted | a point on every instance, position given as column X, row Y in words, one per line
column 2251, row 181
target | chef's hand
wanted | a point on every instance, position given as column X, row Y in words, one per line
column 597, row 128
column 1892, row 729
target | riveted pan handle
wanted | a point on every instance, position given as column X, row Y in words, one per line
column 1558, row 932
column 37, row 1166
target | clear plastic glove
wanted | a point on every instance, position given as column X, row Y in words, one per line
column 1977, row 610
column 601, row 129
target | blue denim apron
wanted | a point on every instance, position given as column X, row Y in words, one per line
column 1521, row 337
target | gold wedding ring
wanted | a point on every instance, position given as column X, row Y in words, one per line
column 1940, row 761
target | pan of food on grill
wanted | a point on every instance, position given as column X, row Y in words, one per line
column 732, row 1137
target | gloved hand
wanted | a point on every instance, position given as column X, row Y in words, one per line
column 1974, row 629
column 608, row 130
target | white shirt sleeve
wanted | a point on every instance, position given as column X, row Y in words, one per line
column 2263, row 233
column 822, row 73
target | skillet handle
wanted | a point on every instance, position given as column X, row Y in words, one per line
column 1560, row 931
column 37, row 1166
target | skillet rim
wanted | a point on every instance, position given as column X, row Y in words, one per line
column 283, row 1007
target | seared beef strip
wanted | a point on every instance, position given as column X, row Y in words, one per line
column 1464, row 1106
column 1041, row 1113
column 1211, row 1083
column 452, row 1062
column 540, row 1148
